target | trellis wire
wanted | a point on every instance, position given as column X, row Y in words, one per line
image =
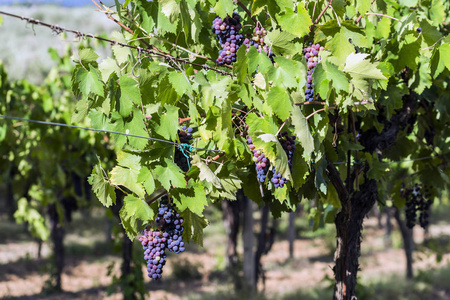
column 107, row 131
column 58, row 29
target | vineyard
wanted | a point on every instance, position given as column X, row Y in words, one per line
column 215, row 143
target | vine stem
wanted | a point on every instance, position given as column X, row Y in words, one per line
column 382, row 15
column 156, row 197
column 311, row 103
column 360, row 16
column 319, row 110
column 247, row 11
column 323, row 11
column 281, row 127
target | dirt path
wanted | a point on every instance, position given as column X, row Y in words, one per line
column 21, row 275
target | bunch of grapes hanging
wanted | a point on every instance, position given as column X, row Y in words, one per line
column 228, row 32
column 312, row 58
column 166, row 235
column 417, row 205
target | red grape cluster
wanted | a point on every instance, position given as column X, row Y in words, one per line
column 261, row 161
column 227, row 31
column 185, row 136
column 167, row 236
column 312, row 58
column 257, row 40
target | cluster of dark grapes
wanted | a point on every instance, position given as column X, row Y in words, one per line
column 257, row 40
column 261, row 161
column 185, row 136
column 312, row 58
column 227, row 31
column 154, row 252
column 288, row 144
column 417, row 201
column 167, row 236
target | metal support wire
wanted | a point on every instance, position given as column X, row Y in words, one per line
column 101, row 130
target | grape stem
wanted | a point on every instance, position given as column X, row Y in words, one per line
column 281, row 127
column 323, row 11
column 156, row 197
column 381, row 15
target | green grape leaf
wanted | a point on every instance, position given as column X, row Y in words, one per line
column 362, row 6
column 171, row 9
column 444, row 53
column 129, row 95
column 127, row 171
column 87, row 56
column 101, row 187
column 180, row 83
column 296, row 23
column 280, row 42
column 193, row 226
column 169, row 174
column 258, row 6
column 285, row 74
column 137, row 127
column 206, row 174
column 25, row 213
column 146, row 177
column 107, row 67
column 168, row 126
column 358, row 67
column 257, row 60
column 223, row 8
column 89, row 82
column 300, row 169
column 122, row 54
column 278, row 100
column 81, row 111
column 193, row 198
column 133, row 209
column 302, row 131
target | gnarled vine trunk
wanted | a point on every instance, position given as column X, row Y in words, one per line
column 231, row 222
column 248, row 242
column 355, row 205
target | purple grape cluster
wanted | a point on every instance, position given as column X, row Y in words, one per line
column 288, row 144
column 167, row 236
column 417, row 202
column 261, row 162
column 278, row 180
column 257, row 40
column 154, row 252
column 185, row 136
column 312, row 58
column 171, row 225
column 227, row 31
